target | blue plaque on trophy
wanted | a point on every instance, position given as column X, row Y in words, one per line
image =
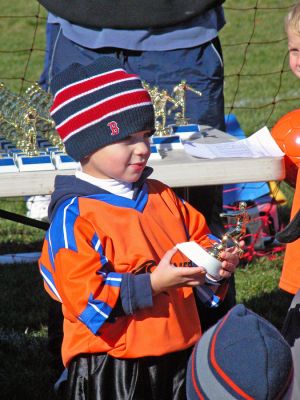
column 7, row 164
column 41, row 162
column 186, row 132
column 155, row 154
column 63, row 161
column 167, row 142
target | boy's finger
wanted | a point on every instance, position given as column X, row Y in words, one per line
column 169, row 254
column 190, row 271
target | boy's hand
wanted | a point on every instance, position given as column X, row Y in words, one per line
column 167, row 276
column 230, row 260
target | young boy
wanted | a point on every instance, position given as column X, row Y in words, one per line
column 130, row 318
column 290, row 277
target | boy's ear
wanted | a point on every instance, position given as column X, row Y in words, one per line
column 84, row 160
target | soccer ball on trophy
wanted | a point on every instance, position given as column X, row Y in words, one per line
column 286, row 133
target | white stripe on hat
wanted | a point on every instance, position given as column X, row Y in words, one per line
column 85, row 80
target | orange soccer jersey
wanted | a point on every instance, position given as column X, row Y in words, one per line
column 94, row 241
column 290, row 276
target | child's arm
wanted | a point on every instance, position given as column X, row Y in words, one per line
column 77, row 272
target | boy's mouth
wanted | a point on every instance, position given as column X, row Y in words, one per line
column 138, row 165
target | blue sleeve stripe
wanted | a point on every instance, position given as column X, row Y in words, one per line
column 68, row 226
column 207, row 296
column 62, row 227
column 113, row 279
column 48, row 278
column 50, row 251
column 95, row 315
column 99, row 249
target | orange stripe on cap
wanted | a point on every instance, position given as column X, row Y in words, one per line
column 85, row 86
column 219, row 370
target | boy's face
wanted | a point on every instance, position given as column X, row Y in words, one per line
column 294, row 52
column 124, row 160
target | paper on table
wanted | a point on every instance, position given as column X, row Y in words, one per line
column 260, row 144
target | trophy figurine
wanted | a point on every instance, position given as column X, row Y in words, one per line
column 210, row 258
column 159, row 98
column 163, row 137
column 182, row 126
column 179, row 94
column 234, row 233
column 19, row 128
column 41, row 101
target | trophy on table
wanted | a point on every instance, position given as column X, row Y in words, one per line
column 182, row 125
column 28, row 132
column 20, row 119
column 160, row 99
column 163, row 138
column 167, row 137
column 42, row 101
column 210, row 258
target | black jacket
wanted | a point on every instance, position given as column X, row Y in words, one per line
column 128, row 14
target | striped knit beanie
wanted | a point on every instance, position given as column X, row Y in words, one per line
column 97, row 105
column 242, row 357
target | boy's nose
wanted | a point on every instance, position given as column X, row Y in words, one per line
column 142, row 147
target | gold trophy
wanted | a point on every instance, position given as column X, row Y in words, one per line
column 210, row 258
column 160, row 99
column 234, row 233
column 25, row 125
column 179, row 95
column 42, row 101
column 20, row 119
column 182, row 127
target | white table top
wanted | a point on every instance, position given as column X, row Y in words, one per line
column 176, row 168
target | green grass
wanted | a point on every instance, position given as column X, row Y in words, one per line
column 22, row 43
column 15, row 236
column 259, row 88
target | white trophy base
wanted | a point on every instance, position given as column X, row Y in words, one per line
column 34, row 163
column 63, row 161
column 7, row 164
column 199, row 256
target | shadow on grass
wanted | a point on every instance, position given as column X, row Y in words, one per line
column 20, row 246
column 278, row 301
column 26, row 370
